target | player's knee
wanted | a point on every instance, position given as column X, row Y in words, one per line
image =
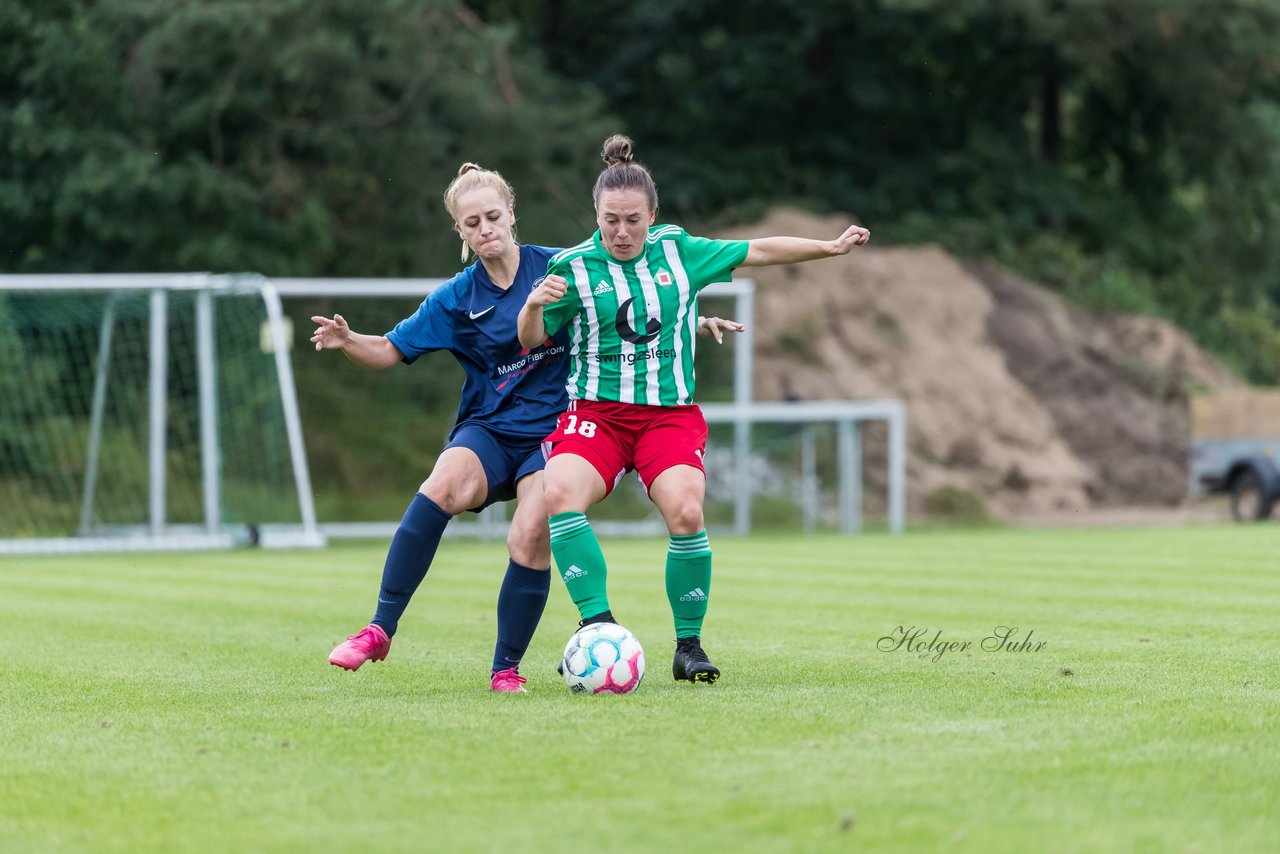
column 529, row 543
column 447, row 497
column 560, row 495
column 687, row 517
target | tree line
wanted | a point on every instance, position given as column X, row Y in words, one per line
column 1124, row 152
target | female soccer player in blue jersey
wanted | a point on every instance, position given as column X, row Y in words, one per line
column 511, row 397
column 628, row 297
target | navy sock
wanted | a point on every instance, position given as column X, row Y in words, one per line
column 520, row 603
column 408, row 559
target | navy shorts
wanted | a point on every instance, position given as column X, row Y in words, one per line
column 505, row 460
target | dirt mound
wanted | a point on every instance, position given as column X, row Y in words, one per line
column 1116, row 387
column 1011, row 395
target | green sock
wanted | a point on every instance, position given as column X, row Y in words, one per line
column 689, row 581
column 580, row 561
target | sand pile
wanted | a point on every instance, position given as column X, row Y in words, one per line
column 1011, row 395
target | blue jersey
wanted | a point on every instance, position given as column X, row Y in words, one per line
column 510, row 390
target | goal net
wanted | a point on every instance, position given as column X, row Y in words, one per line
column 147, row 412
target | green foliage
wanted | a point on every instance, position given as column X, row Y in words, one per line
column 952, row 504
column 1127, row 152
column 1256, row 329
column 298, row 137
column 288, row 138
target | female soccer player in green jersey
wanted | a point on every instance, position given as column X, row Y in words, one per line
column 628, row 296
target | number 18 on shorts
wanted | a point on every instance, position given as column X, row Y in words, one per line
column 618, row 437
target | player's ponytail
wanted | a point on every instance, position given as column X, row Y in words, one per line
column 622, row 172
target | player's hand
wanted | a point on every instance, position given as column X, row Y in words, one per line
column 855, row 235
column 549, row 292
column 717, row 326
column 330, row 334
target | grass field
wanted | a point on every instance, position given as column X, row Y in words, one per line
column 184, row 702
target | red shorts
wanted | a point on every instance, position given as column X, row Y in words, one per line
column 619, row 437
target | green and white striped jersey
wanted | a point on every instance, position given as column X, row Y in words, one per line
column 632, row 323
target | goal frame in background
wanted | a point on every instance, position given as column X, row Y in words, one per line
column 157, row 533
column 847, row 416
column 742, row 413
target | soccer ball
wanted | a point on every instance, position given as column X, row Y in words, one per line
column 603, row 658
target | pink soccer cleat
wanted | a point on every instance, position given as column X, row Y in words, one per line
column 508, row 681
column 370, row 644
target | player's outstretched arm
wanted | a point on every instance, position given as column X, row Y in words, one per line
column 531, row 327
column 716, row 327
column 767, row 251
column 369, row 351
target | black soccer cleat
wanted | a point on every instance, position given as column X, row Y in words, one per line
column 602, row 617
column 691, row 663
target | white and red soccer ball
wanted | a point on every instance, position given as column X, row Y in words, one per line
column 603, row 658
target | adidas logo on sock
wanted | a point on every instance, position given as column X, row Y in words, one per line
column 574, row 572
column 603, row 288
column 694, row 595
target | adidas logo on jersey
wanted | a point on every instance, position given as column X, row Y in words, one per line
column 603, row 288
column 694, row 595
column 573, row 572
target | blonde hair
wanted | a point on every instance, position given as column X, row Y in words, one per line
column 622, row 172
column 473, row 177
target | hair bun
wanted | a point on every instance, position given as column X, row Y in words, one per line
column 617, row 150
column 468, row 167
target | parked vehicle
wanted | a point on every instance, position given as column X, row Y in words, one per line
column 1235, row 448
